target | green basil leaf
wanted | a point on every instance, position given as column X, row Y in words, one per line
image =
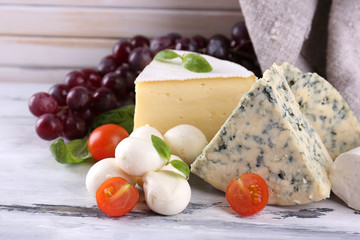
column 161, row 147
column 75, row 151
column 196, row 63
column 181, row 166
column 165, row 55
column 123, row 116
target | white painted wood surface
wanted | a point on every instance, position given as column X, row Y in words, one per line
column 49, row 35
column 53, row 52
column 42, row 199
column 112, row 22
column 162, row 4
column 33, row 74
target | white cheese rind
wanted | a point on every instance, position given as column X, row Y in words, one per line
column 267, row 134
column 173, row 70
column 325, row 109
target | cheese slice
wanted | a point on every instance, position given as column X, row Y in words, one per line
column 167, row 94
column 267, row 134
column 325, row 109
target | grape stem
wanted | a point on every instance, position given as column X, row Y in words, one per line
column 63, row 109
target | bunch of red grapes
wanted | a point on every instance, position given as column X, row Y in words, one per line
column 68, row 109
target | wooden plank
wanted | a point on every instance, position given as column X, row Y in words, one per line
column 112, row 22
column 53, row 52
column 160, row 4
column 33, row 75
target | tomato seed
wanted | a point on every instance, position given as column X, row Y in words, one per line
column 109, row 191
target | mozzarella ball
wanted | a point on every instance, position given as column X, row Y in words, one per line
column 102, row 171
column 345, row 177
column 186, row 141
column 169, row 167
column 166, row 192
column 145, row 133
column 137, row 156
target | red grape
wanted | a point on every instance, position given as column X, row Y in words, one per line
column 115, row 82
column 139, row 58
column 74, row 78
column 86, row 115
column 224, row 40
column 92, row 77
column 217, row 49
column 41, row 103
column 186, row 44
column 107, row 64
column 123, row 69
column 139, row 41
column 48, row 126
column 103, row 99
column 87, row 72
column 130, row 81
column 239, row 32
column 59, row 93
column 78, row 98
column 129, row 76
column 74, row 127
column 174, row 36
column 246, row 46
column 200, row 40
column 121, row 51
column 64, row 114
column 160, row 43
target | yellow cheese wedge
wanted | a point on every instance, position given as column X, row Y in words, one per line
column 167, row 94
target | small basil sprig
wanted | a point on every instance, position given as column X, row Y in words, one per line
column 161, row 147
column 75, row 151
column 164, row 151
column 193, row 62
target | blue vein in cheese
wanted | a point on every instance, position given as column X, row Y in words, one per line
column 325, row 109
column 267, row 134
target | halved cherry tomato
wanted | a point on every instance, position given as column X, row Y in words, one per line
column 116, row 196
column 247, row 194
column 104, row 139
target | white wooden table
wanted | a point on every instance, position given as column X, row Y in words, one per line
column 42, row 40
column 42, row 199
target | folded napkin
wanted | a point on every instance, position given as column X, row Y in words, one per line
column 317, row 36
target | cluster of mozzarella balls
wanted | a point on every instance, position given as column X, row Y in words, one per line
column 166, row 189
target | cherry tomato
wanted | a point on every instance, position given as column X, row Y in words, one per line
column 104, row 139
column 116, row 196
column 247, row 194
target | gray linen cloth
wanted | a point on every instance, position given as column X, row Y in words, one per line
column 320, row 36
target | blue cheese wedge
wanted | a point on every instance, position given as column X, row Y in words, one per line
column 267, row 134
column 325, row 109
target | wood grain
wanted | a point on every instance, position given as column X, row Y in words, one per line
column 159, row 4
column 18, row 74
column 53, row 52
column 40, row 40
column 112, row 22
